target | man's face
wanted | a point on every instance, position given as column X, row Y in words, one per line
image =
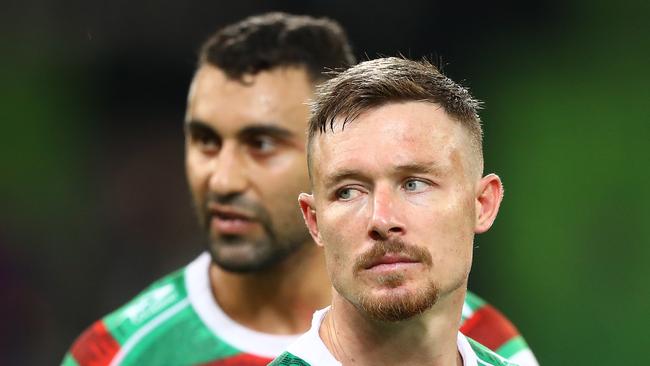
column 395, row 207
column 245, row 161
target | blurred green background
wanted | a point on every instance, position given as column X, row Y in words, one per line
column 95, row 206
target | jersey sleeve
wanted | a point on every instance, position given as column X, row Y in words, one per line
column 488, row 326
column 100, row 343
column 94, row 347
column 157, row 327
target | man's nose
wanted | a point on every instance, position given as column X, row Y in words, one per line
column 386, row 219
column 228, row 175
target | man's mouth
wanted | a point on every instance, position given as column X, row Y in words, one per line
column 229, row 221
column 391, row 261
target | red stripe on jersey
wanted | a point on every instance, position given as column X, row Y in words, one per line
column 95, row 346
column 489, row 327
column 242, row 359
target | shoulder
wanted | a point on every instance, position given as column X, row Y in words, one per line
column 100, row 342
column 152, row 301
column 162, row 295
column 489, row 327
column 485, row 356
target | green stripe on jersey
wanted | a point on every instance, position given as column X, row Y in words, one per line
column 69, row 360
column 513, row 346
column 486, row 357
column 182, row 339
column 157, row 298
column 474, row 302
column 287, row 359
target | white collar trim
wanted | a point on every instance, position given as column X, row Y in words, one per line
column 310, row 346
column 466, row 351
column 197, row 282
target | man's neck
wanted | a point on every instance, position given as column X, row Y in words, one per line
column 426, row 339
column 280, row 300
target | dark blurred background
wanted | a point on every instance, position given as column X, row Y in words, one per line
column 94, row 204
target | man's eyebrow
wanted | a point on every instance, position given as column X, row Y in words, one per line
column 265, row 129
column 342, row 175
column 196, row 125
column 246, row 132
column 421, row 167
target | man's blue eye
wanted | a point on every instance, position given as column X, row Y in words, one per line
column 347, row 193
column 414, row 185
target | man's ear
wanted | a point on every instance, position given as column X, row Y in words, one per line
column 308, row 209
column 488, row 200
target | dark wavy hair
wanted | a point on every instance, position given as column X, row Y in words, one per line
column 271, row 40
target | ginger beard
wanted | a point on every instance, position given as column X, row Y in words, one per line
column 391, row 306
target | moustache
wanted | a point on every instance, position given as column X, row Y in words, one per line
column 395, row 246
column 234, row 201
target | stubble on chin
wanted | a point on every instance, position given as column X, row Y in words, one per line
column 399, row 306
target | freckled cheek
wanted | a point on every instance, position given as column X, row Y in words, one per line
column 450, row 232
column 341, row 235
column 449, row 229
column 460, row 212
column 334, row 253
column 334, row 239
column 353, row 214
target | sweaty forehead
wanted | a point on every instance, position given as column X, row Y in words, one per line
column 277, row 96
column 391, row 137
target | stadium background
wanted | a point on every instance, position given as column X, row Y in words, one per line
column 95, row 207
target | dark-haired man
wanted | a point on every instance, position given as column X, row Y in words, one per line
column 256, row 287
column 396, row 217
